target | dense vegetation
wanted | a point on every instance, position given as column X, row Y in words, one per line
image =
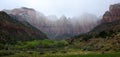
column 41, row 46
column 60, row 48
column 35, row 44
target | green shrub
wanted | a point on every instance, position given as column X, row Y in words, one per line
column 64, row 51
column 60, row 43
column 6, row 53
column 27, row 44
column 1, row 46
column 42, row 53
column 30, row 52
column 47, row 43
column 54, row 52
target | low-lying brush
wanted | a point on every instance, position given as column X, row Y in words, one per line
column 6, row 53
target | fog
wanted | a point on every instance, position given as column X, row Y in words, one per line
column 69, row 8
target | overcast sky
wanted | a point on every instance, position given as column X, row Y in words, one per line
column 68, row 8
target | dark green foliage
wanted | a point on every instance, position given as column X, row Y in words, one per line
column 64, row 51
column 6, row 52
column 42, row 52
column 54, row 52
column 30, row 52
column 103, row 34
column 1, row 46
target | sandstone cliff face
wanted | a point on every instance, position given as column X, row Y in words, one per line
column 113, row 13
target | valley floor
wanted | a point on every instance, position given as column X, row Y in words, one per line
column 63, row 54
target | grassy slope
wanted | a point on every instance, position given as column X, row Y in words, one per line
column 73, row 54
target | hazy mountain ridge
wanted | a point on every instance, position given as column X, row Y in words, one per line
column 62, row 27
column 12, row 30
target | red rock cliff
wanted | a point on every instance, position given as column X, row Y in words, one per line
column 113, row 13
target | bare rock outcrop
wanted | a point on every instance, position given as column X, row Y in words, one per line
column 113, row 13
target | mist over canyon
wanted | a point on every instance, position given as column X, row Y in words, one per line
column 58, row 19
column 63, row 28
column 54, row 27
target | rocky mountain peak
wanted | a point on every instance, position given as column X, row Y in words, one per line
column 25, row 8
column 113, row 13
